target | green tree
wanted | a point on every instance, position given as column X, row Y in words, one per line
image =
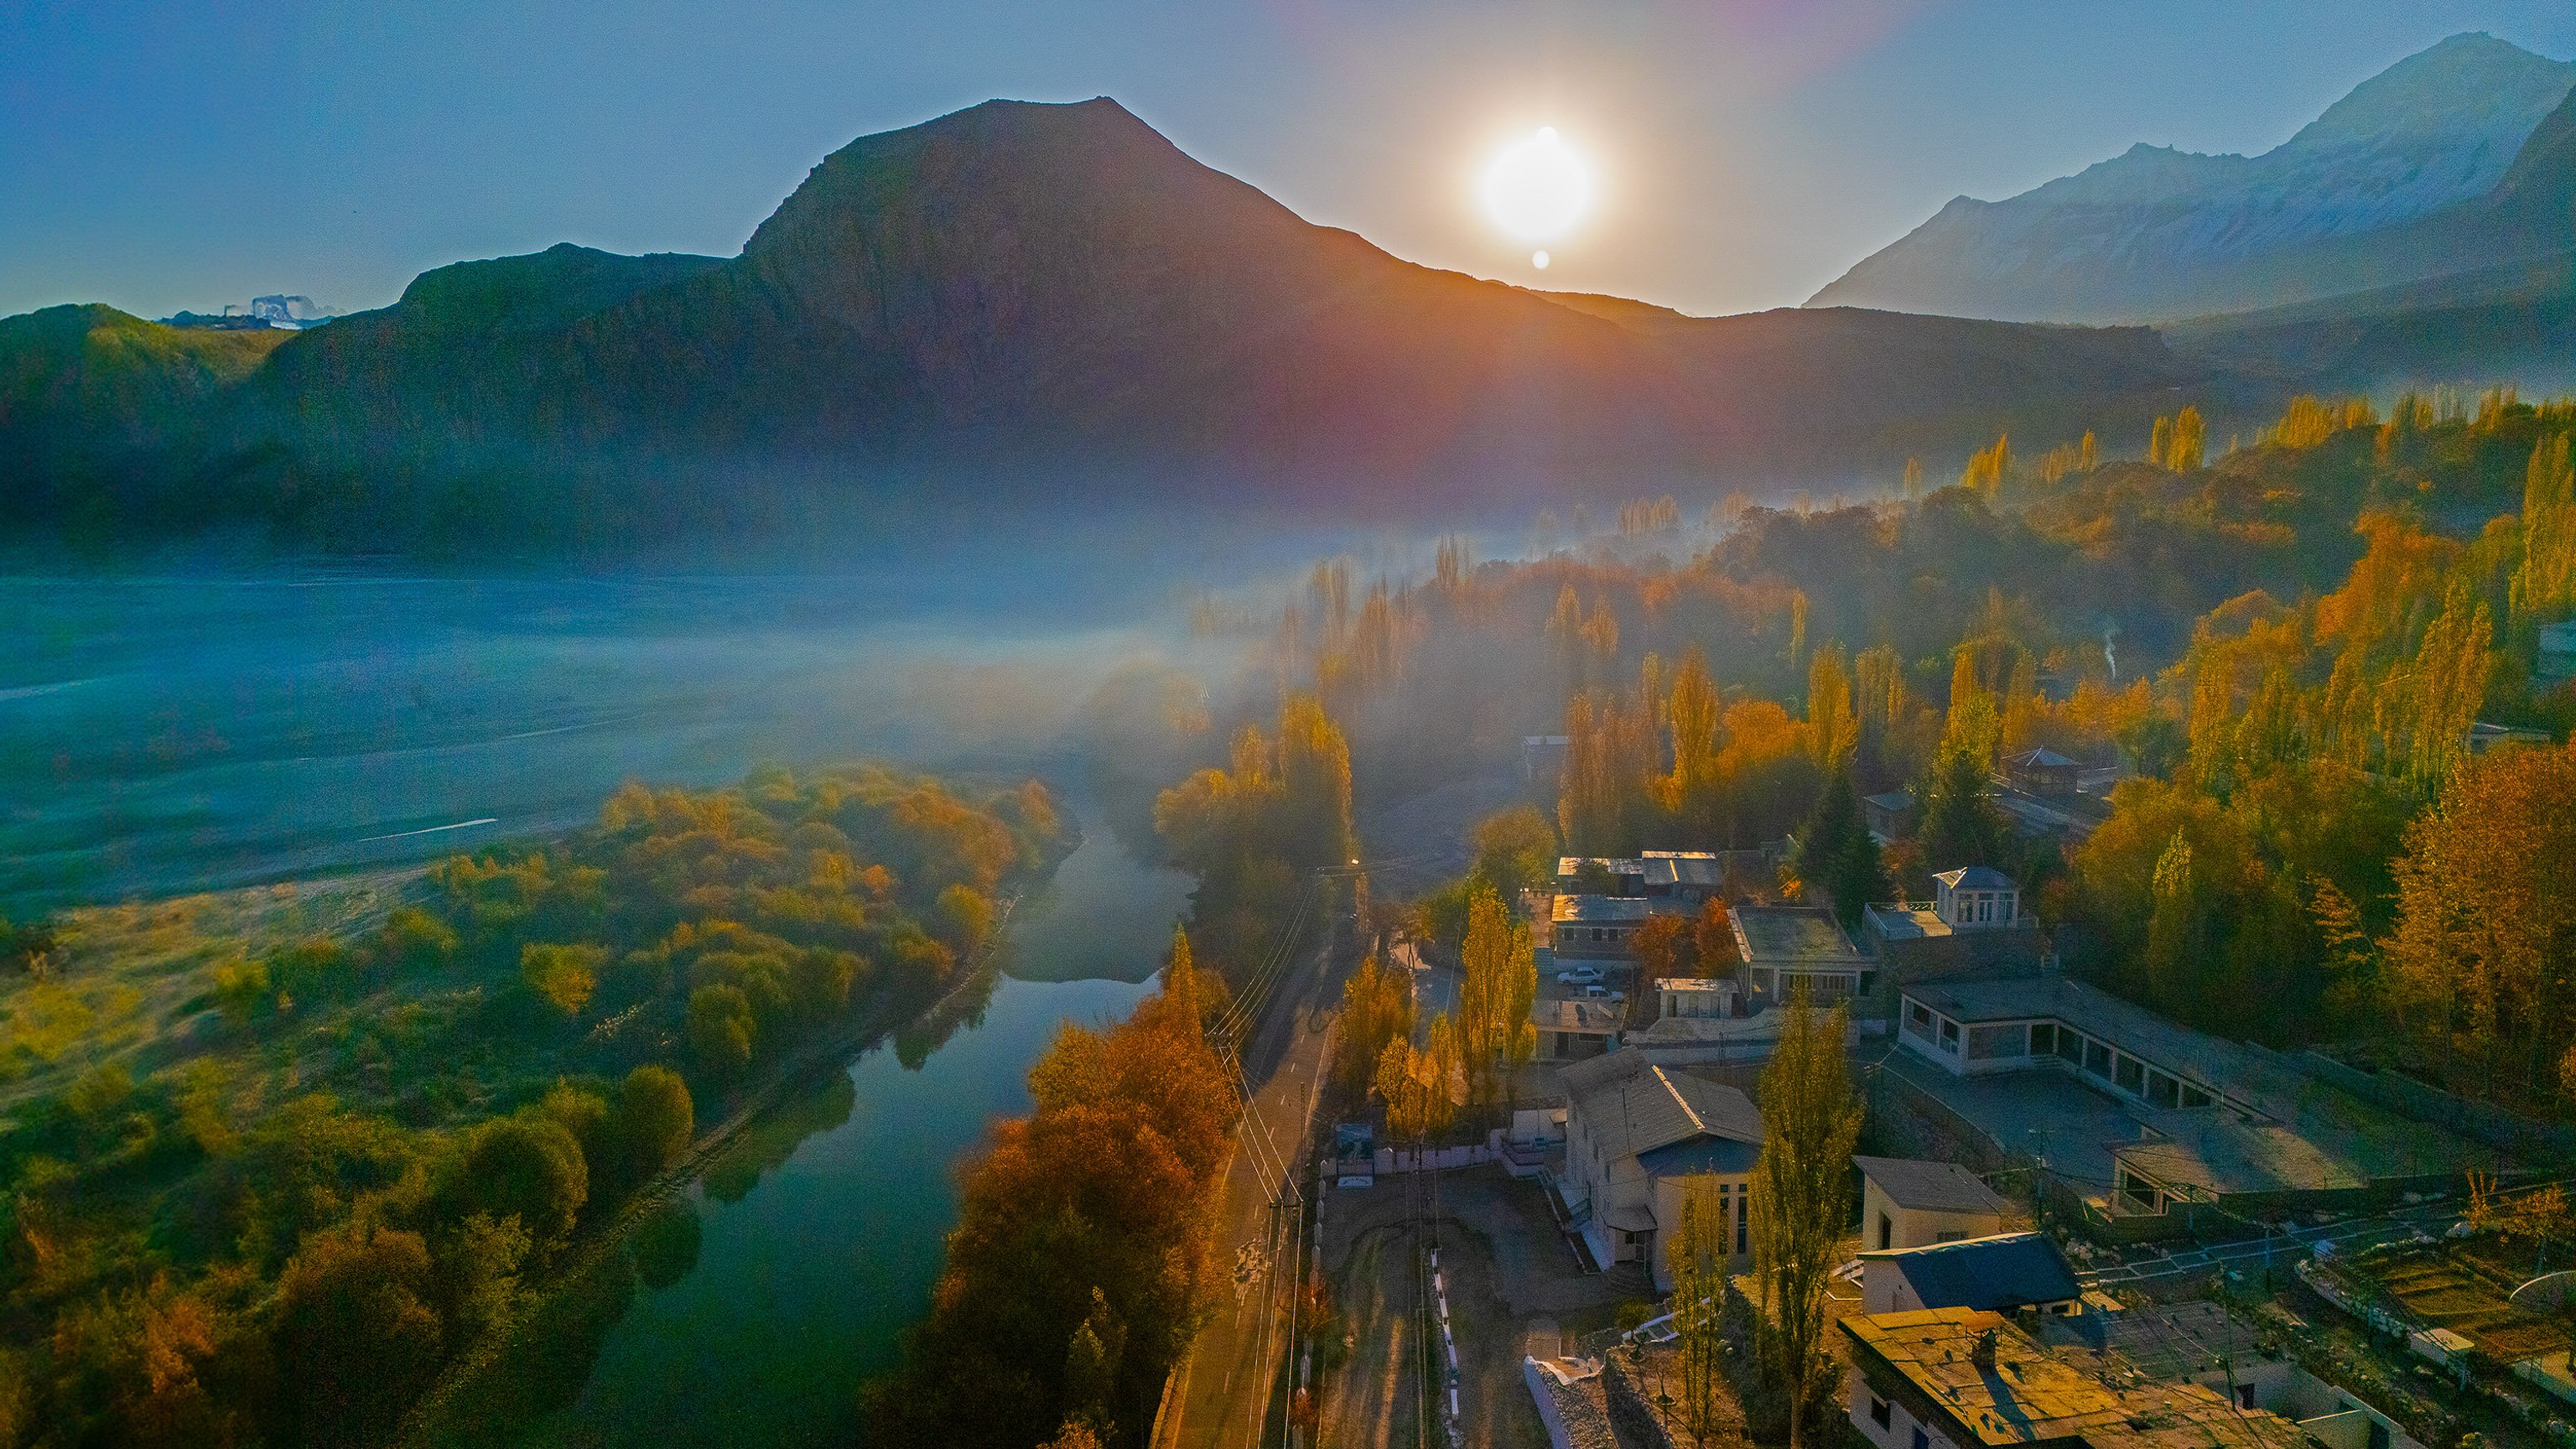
column 1961, row 825
column 562, row 976
column 1515, row 849
column 1698, row 1257
column 1802, row 1200
column 721, row 1028
column 356, row 1336
column 1836, row 852
column 530, row 1168
column 963, row 919
column 655, row 1121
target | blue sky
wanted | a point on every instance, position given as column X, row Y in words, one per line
column 159, row 156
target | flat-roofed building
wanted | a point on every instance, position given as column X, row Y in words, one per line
column 1596, row 928
column 1909, row 1203
column 1686, row 998
column 2206, row 1121
column 1684, row 877
column 1973, row 927
column 1571, row 1029
column 1963, row 1379
column 1784, row 948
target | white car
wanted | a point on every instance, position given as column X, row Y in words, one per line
column 1578, row 976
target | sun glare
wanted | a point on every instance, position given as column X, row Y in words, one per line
column 1537, row 187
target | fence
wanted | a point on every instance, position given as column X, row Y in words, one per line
column 2494, row 1126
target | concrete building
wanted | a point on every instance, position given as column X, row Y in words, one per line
column 1907, row 1203
column 1890, row 815
column 2043, row 772
column 2175, row 1117
column 1973, row 927
column 1635, row 1133
column 1571, row 1029
column 2199, row 1342
column 2557, row 661
column 2004, row 1272
column 1596, row 928
column 1784, row 948
column 1690, row 998
column 1963, row 1379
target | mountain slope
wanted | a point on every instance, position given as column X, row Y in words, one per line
column 89, row 394
column 1051, row 306
column 2159, row 233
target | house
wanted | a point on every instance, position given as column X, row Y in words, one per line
column 1573, row 1028
column 1686, row 998
column 2042, row 772
column 1890, row 815
column 1635, row 1135
column 1907, row 1203
column 1600, row 875
column 2484, row 736
column 1596, row 928
column 2190, row 1119
column 2004, row 1272
column 2557, row 660
column 1974, row 927
column 2199, row 1342
column 1543, row 759
column 1785, row 948
column 1686, row 878
column 1965, row 1379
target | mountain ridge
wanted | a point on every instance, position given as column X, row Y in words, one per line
column 2156, row 233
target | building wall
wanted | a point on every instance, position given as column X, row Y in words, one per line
column 1731, row 1194
column 1901, row 1431
column 1914, row 1227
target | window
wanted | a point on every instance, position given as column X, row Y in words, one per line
column 1949, row 1036
column 1949, row 1237
column 2131, row 1074
column 1986, row 1043
column 2043, row 1039
column 2193, row 1096
column 1879, row 1413
column 2097, row 1059
column 2162, row 1090
column 2244, row 1396
column 1921, row 1439
column 1886, row 1240
column 2070, row 1045
column 1918, row 1019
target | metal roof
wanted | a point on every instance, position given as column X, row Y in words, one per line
column 1943, row 1187
column 2008, row 1270
column 1630, row 1106
column 1977, row 878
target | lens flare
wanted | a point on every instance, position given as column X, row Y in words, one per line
column 1537, row 187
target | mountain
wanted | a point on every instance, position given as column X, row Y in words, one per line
column 2157, row 233
column 1051, row 306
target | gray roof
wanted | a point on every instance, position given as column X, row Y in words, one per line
column 2042, row 758
column 1943, row 1187
column 2008, row 1270
column 1793, row 936
column 1683, row 867
column 1977, row 878
column 1631, row 1106
column 2317, row 1137
column 1897, row 800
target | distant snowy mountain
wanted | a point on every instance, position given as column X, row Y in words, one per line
column 2158, row 233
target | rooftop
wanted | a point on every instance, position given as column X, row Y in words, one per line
column 1977, row 878
column 1600, row 910
column 1905, row 920
column 1891, row 800
column 2303, row 1134
column 1683, row 867
column 2007, row 1270
column 1942, row 1187
column 1590, row 1018
column 2028, row 1394
column 2159, row 1342
column 1630, row 1105
column 1792, row 936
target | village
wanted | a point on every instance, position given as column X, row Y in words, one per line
column 2071, row 1219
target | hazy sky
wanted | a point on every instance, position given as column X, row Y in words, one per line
column 160, row 156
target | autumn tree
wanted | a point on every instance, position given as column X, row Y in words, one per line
column 1833, row 727
column 1801, row 1200
column 1377, row 1008
column 1662, row 946
column 355, row 1333
column 1713, row 939
column 1419, row 1083
column 2484, row 954
column 1498, row 983
column 1515, row 850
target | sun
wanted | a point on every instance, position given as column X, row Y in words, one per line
column 1537, row 187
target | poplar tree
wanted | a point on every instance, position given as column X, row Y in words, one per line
column 1802, row 1200
column 1698, row 1257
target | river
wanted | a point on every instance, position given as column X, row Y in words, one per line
column 750, row 1308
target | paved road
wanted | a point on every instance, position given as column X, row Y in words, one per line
column 1221, row 1395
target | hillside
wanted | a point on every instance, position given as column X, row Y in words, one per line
column 2440, row 144
column 1027, row 303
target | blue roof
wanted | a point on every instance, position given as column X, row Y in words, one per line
column 2010, row 1270
column 1706, row 1153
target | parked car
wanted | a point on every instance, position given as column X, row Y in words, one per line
column 1578, row 976
column 1603, row 993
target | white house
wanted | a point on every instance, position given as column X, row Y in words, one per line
column 1908, row 1203
column 1636, row 1135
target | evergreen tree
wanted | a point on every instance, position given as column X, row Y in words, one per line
column 1836, row 852
column 1960, row 823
